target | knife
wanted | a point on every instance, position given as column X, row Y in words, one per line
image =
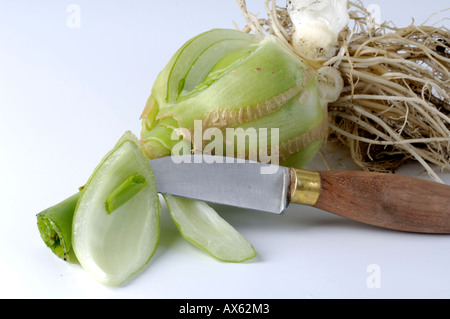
column 380, row 199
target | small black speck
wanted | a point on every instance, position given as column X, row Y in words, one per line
column 440, row 49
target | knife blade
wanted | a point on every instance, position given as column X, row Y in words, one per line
column 384, row 200
column 224, row 180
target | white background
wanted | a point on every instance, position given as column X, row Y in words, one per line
column 66, row 97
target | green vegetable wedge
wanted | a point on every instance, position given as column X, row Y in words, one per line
column 55, row 227
column 113, row 245
column 200, row 224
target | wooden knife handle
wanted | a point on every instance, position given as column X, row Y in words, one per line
column 386, row 200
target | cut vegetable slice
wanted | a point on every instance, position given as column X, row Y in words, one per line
column 55, row 227
column 200, row 224
column 114, row 246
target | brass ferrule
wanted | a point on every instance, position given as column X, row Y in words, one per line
column 305, row 186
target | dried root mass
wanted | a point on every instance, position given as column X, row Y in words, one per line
column 395, row 105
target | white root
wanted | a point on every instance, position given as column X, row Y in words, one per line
column 330, row 83
column 316, row 26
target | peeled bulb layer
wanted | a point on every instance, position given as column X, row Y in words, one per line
column 114, row 245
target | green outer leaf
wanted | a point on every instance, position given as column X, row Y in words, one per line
column 242, row 85
column 307, row 116
column 209, row 59
column 200, row 225
column 55, row 227
column 167, row 85
column 114, row 247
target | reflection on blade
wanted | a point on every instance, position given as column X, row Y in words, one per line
column 224, row 180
